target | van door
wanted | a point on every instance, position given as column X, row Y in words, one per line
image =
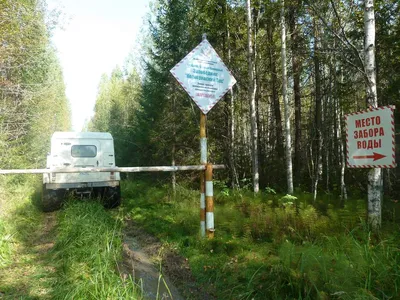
column 82, row 153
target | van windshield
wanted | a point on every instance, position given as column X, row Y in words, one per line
column 83, row 151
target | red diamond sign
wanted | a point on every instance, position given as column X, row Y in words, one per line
column 204, row 76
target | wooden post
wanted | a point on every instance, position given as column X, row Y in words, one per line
column 203, row 160
column 209, row 202
column 203, row 139
column 202, row 205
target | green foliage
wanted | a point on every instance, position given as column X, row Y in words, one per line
column 87, row 250
column 288, row 200
column 115, row 111
column 163, row 124
column 264, row 251
column 270, row 191
column 33, row 103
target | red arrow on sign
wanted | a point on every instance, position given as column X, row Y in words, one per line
column 375, row 156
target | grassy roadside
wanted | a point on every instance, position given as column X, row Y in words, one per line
column 87, row 251
column 25, row 269
column 70, row 254
column 272, row 248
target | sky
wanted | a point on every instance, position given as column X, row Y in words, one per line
column 97, row 35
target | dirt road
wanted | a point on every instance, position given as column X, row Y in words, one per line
column 32, row 273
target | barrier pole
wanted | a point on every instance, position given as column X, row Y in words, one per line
column 209, row 202
column 201, row 168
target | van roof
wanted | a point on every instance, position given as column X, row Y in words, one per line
column 82, row 135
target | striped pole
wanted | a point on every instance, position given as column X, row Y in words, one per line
column 209, row 202
column 203, row 161
column 203, row 139
column 202, row 205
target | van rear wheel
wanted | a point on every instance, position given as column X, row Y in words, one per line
column 51, row 199
column 112, row 197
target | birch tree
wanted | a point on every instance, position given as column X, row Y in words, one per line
column 318, row 110
column 288, row 139
column 375, row 175
column 252, row 100
column 231, row 125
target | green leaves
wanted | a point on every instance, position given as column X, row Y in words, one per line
column 116, row 107
column 33, row 103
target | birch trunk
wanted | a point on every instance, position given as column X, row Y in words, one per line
column 375, row 175
column 318, row 111
column 342, row 148
column 288, row 139
column 252, row 100
column 231, row 125
column 342, row 153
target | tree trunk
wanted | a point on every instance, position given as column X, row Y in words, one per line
column 252, row 100
column 288, row 140
column 296, row 91
column 375, row 175
column 342, row 152
column 231, row 125
column 340, row 140
column 275, row 98
column 318, row 112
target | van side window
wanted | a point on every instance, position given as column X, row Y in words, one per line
column 83, row 151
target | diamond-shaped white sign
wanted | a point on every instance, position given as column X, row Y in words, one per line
column 204, row 76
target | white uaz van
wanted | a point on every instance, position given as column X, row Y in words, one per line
column 81, row 150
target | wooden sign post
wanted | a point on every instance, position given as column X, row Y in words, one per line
column 206, row 79
column 203, row 161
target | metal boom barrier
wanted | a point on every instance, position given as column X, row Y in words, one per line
column 115, row 169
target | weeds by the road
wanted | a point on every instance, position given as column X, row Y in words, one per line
column 273, row 247
column 87, row 250
column 266, row 247
column 25, row 268
column 70, row 254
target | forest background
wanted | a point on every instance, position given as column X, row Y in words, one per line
column 154, row 121
column 304, row 250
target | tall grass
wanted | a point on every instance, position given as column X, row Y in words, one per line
column 87, row 250
column 21, row 275
column 76, row 257
column 5, row 247
column 268, row 248
column 18, row 214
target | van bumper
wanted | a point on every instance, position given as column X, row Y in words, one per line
column 79, row 185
